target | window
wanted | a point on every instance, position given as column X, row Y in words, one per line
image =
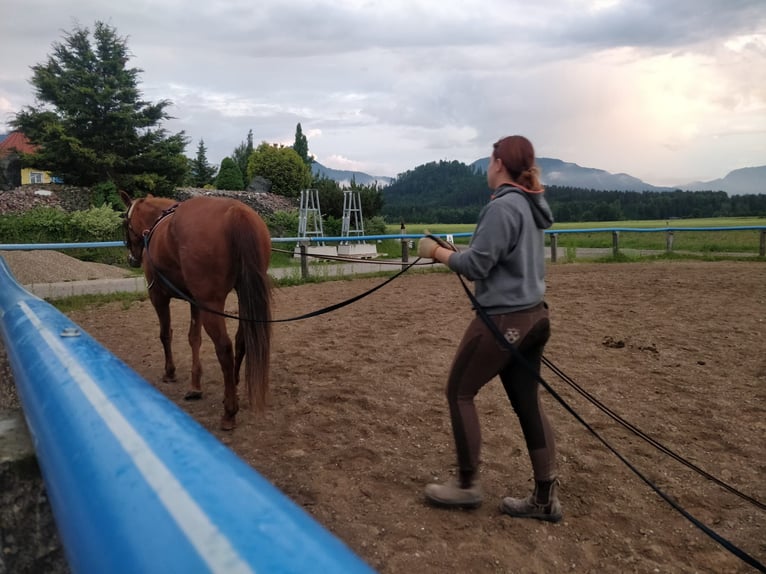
column 35, row 177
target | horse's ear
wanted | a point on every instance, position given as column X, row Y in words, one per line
column 126, row 199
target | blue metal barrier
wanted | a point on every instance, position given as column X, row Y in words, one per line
column 135, row 484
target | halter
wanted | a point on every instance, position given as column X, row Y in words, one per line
column 146, row 232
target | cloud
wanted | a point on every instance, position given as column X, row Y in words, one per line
column 661, row 90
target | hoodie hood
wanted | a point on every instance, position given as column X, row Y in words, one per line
column 541, row 211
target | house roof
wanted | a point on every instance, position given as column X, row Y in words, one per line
column 15, row 142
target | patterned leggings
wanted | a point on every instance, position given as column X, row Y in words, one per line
column 479, row 358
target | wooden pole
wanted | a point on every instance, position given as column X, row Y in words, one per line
column 554, row 242
column 405, row 246
column 615, row 243
column 304, row 262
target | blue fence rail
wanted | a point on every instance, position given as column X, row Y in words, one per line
column 408, row 237
column 407, row 240
column 135, row 484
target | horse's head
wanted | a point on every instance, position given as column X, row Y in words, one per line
column 138, row 220
column 133, row 236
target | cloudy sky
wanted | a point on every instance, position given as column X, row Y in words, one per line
column 670, row 91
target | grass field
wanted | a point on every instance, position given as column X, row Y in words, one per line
column 724, row 241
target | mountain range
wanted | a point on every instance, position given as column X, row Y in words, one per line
column 749, row 180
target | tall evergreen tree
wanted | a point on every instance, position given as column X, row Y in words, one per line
column 229, row 176
column 201, row 172
column 242, row 153
column 301, row 146
column 89, row 121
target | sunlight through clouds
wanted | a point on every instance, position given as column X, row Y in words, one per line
column 664, row 91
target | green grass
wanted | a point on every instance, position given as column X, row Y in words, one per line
column 736, row 241
column 77, row 302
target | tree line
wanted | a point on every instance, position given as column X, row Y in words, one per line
column 452, row 192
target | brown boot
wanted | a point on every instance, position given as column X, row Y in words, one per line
column 533, row 507
column 451, row 495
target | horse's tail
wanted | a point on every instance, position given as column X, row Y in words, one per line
column 251, row 250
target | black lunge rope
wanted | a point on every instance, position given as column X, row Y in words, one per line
column 181, row 295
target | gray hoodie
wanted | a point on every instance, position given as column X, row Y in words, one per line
column 506, row 256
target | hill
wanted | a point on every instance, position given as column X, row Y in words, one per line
column 740, row 181
column 558, row 172
column 749, row 180
column 344, row 177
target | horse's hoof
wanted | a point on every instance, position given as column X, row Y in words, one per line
column 193, row 395
column 169, row 379
column 227, row 423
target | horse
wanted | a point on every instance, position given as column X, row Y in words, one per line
column 200, row 250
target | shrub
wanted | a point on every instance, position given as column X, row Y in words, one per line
column 282, row 223
column 106, row 194
column 96, row 224
column 38, row 225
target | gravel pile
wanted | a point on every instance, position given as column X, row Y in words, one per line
column 43, row 266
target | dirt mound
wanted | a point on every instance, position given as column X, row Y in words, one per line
column 46, row 266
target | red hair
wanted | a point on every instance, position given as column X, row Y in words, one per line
column 518, row 157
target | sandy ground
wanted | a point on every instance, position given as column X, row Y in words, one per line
column 357, row 422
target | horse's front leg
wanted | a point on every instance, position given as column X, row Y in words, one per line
column 195, row 341
column 162, row 308
column 215, row 326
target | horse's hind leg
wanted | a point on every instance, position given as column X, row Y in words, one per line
column 239, row 353
column 215, row 326
column 195, row 341
column 162, row 308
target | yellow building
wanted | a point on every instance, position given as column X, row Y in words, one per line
column 11, row 149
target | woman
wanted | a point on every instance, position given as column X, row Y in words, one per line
column 506, row 262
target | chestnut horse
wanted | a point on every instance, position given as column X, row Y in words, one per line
column 199, row 250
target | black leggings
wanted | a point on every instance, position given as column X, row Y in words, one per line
column 479, row 358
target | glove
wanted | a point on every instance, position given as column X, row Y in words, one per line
column 443, row 242
column 426, row 247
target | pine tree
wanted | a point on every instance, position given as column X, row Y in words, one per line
column 201, row 173
column 229, row 176
column 90, row 124
column 242, row 153
column 301, row 146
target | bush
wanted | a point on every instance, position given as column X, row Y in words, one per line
column 96, row 224
column 106, row 194
column 38, row 225
column 52, row 225
column 282, row 223
column 375, row 226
